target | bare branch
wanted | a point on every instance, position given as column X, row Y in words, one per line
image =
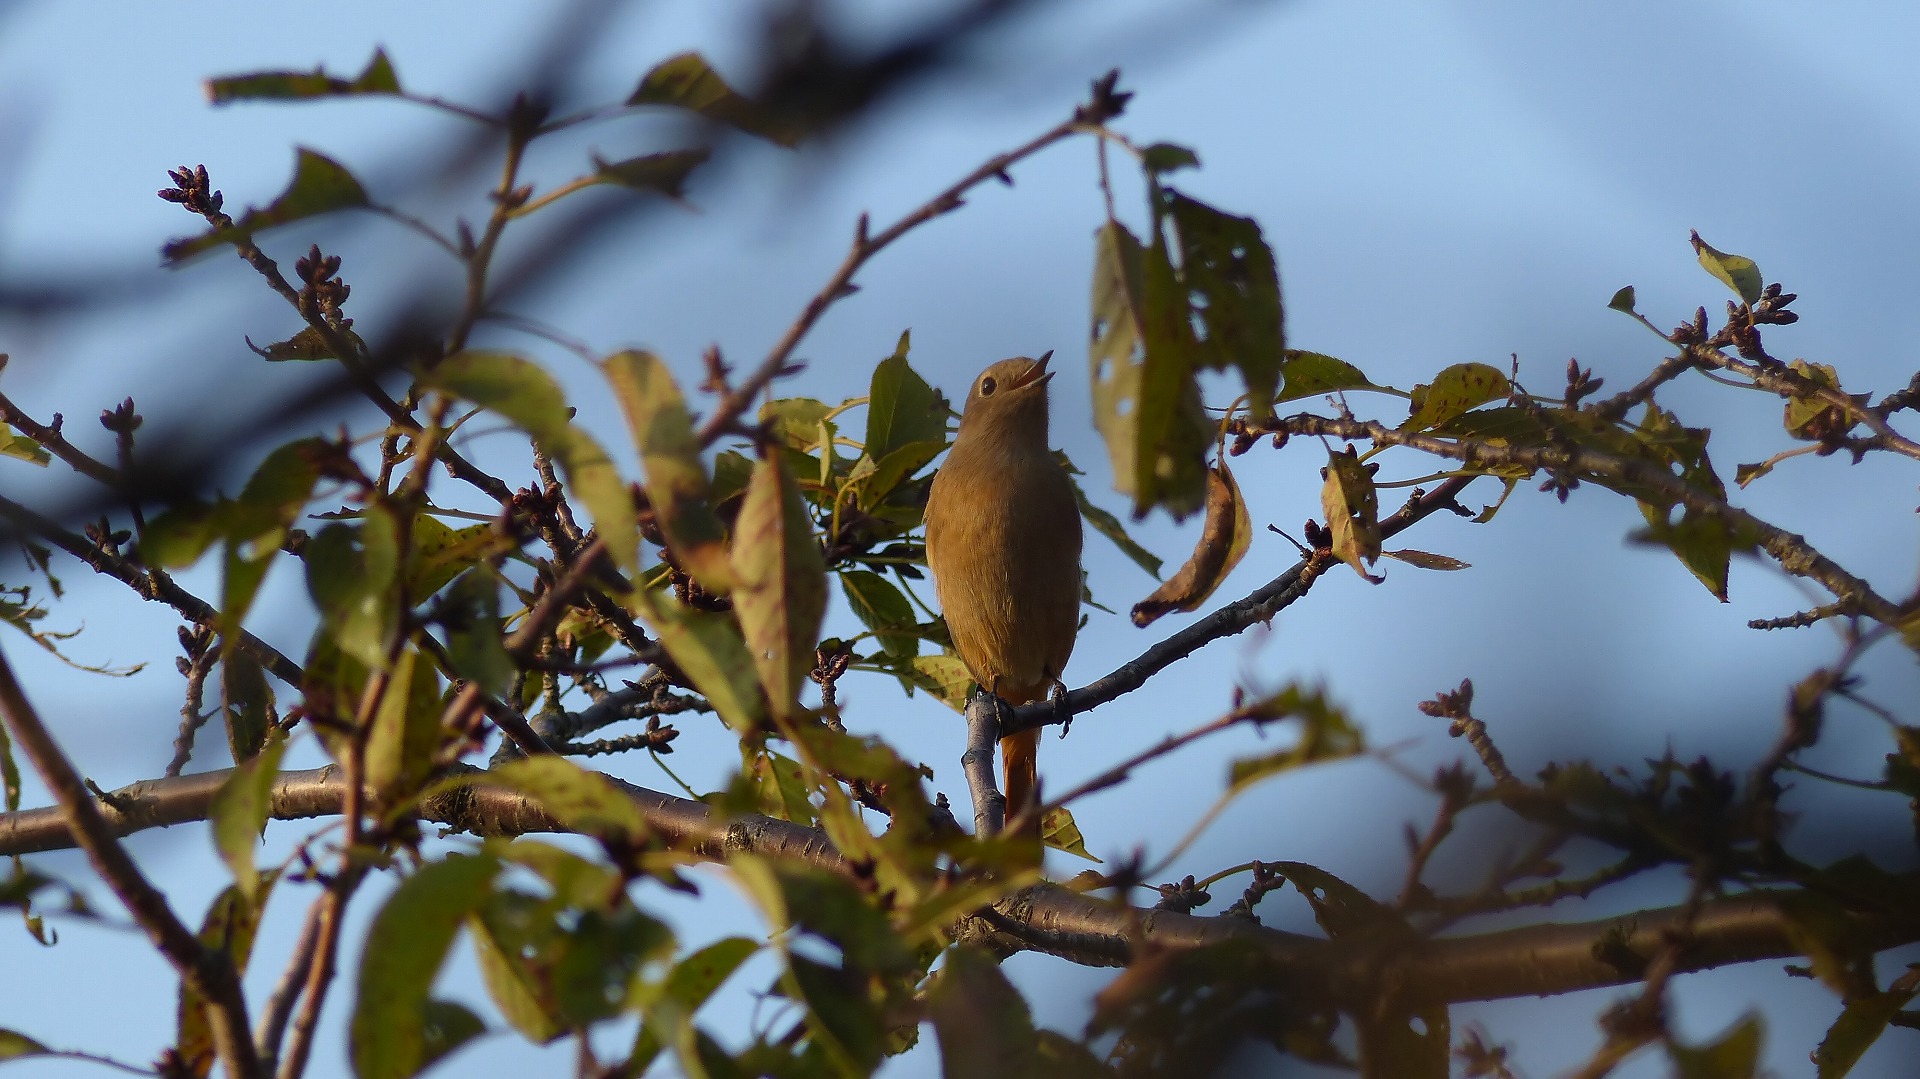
column 207, row 970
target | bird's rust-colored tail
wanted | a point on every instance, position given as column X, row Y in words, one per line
column 1020, row 757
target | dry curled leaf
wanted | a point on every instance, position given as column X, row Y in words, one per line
column 1223, row 541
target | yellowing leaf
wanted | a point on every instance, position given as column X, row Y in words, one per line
column 1737, row 272
column 1058, row 831
column 781, row 585
column 1455, row 390
column 1353, row 511
column 677, row 484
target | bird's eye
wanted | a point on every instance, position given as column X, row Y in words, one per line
column 987, row 385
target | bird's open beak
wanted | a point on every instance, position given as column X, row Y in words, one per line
column 1038, row 372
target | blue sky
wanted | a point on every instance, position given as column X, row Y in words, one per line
column 1441, row 182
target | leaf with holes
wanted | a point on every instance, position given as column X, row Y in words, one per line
column 1145, row 403
column 1233, row 288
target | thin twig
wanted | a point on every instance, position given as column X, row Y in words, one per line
column 739, row 398
column 209, row 972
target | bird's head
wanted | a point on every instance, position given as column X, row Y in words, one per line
column 1010, row 399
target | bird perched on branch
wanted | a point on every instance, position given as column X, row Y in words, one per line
column 1003, row 542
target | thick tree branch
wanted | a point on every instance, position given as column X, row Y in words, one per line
column 1526, row 961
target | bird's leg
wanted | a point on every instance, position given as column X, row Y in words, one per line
column 1057, row 696
column 1001, row 709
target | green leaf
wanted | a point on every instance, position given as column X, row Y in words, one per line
column 17, row 1046
column 982, row 1022
column 448, row 1026
column 1733, row 1055
column 709, row 649
column 1145, row 403
column 407, row 732
column 1704, row 541
column 471, row 615
column 677, row 484
column 21, row 448
column 1224, row 539
column 1623, row 300
column 351, row 571
column 1058, row 831
column 441, row 553
column 584, row 801
column 886, row 476
column 1456, row 390
column 882, row 608
column 400, row 958
column 320, row 185
column 529, row 397
column 781, row 591
column 945, row 677
column 1737, row 272
column 247, row 702
column 686, row 81
column 662, row 174
column 377, row 78
column 1234, row 290
column 1353, row 511
column 670, row 1005
column 240, row 812
column 1313, row 374
column 231, row 926
column 256, row 524
column 1326, row 734
column 1165, row 157
column 522, row 1001
column 901, row 407
column 1861, row 1023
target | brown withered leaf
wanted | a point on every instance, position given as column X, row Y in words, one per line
column 1223, row 541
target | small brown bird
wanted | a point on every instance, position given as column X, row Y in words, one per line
column 1003, row 542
